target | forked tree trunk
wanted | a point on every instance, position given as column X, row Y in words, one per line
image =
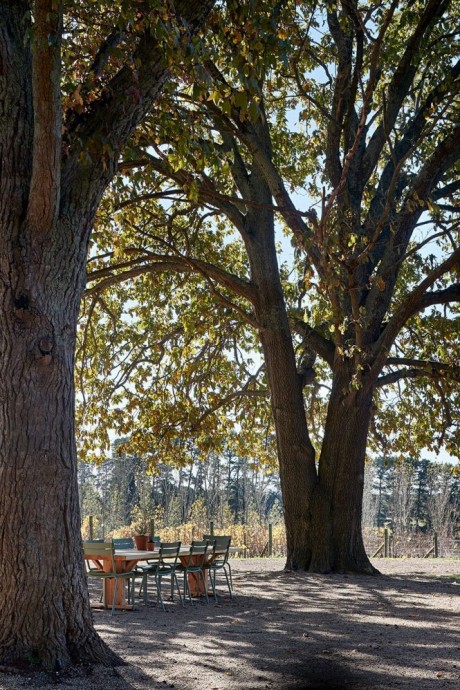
column 44, row 603
column 322, row 508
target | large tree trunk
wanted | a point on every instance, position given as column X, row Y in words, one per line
column 49, row 194
column 336, row 509
column 322, row 510
column 44, row 604
column 296, row 455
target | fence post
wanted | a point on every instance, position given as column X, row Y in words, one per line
column 386, row 549
column 270, row 540
column 211, row 528
column 91, row 528
column 435, row 545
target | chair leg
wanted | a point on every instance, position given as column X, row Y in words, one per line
column 187, row 588
column 213, row 573
column 133, row 590
column 204, row 586
column 212, row 579
column 178, row 589
column 228, row 584
column 230, row 573
column 159, row 595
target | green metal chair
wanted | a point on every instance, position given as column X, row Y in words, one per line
column 195, row 566
column 149, row 568
column 165, row 565
column 88, row 566
column 124, row 544
column 219, row 561
column 106, row 551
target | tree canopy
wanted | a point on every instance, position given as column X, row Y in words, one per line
column 340, row 121
column 175, row 205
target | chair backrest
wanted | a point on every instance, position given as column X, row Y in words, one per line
column 123, row 543
column 212, row 537
column 104, row 550
column 169, row 550
column 220, row 550
column 197, row 553
column 156, row 540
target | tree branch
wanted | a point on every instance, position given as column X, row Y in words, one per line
column 401, row 81
column 244, row 392
column 150, row 262
column 44, row 193
column 124, row 103
column 314, row 340
column 445, row 155
column 418, row 369
column 415, row 301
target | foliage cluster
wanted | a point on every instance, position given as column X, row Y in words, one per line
column 354, row 125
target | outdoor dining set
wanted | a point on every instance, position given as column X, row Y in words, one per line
column 118, row 563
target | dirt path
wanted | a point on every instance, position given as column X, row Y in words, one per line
column 287, row 632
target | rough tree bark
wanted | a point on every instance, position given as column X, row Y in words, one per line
column 336, row 509
column 322, row 507
column 47, row 206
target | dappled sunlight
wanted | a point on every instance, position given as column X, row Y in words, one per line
column 298, row 630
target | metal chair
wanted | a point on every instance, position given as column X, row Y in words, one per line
column 88, row 566
column 106, row 552
column 164, row 565
column 219, row 561
column 195, row 566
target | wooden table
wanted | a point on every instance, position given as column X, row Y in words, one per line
column 125, row 560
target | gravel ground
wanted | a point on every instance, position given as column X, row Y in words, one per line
column 287, row 631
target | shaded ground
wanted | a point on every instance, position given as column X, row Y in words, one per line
column 288, row 632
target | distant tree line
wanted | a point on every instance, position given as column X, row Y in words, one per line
column 228, row 488
column 403, row 495
column 412, row 496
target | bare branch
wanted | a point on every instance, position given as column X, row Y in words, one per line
column 418, row 369
column 418, row 299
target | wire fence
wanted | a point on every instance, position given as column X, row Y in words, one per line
column 270, row 540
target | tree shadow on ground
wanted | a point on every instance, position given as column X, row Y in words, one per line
column 294, row 631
